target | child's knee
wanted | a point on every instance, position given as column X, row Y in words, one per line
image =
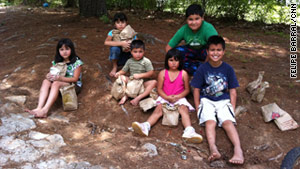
column 227, row 123
column 153, row 83
column 114, row 53
column 159, row 111
column 47, row 83
column 183, row 110
column 210, row 123
column 56, row 84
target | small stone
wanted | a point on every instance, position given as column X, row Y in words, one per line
column 197, row 158
column 17, row 69
column 152, row 150
column 218, row 164
column 17, row 99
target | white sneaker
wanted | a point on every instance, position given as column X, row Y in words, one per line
column 191, row 136
column 140, row 128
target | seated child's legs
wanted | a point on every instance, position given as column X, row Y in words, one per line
column 54, row 90
column 224, row 112
column 157, row 114
column 149, row 85
column 209, row 110
column 144, row 128
column 232, row 134
column 192, row 58
column 210, row 130
column 184, row 112
column 206, row 111
column 44, row 91
column 189, row 133
column 114, row 56
column 124, row 98
column 114, row 52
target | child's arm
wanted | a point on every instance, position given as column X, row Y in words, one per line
column 69, row 79
column 119, row 73
column 233, row 95
column 145, row 75
column 196, row 94
column 108, row 41
column 168, row 47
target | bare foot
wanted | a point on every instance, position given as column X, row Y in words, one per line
column 135, row 101
column 237, row 157
column 33, row 112
column 123, row 100
column 214, row 154
column 40, row 114
column 113, row 72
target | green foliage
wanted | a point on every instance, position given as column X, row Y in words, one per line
column 229, row 9
column 104, row 19
column 56, row 3
column 132, row 4
column 267, row 11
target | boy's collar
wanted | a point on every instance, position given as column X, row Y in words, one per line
column 213, row 65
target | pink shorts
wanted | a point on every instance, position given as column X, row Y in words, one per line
column 181, row 101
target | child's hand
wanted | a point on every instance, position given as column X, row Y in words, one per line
column 49, row 77
column 173, row 98
column 136, row 76
column 117, row 75
column 55, row 78
column 126, row 44
column 176, row 98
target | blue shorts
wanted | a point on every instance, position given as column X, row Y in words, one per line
column 116, row 53
column 192, row 58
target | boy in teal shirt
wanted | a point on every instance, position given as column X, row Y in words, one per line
column 195, row 34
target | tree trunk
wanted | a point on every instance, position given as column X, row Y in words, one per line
column 71, row 4
column 90, row 8
column 203, row 5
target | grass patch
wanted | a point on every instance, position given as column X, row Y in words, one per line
column 280, row 34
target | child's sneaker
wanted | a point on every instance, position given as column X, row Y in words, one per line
column 191, row 136
column 140, row 128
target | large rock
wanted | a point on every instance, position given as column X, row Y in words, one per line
column 15, row 123
column 17, row 99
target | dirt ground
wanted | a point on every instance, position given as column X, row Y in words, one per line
column 28, row 39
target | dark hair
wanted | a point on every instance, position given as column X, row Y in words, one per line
column 177, row 56
column 194, row 9
column 120, row 17
column 137, row 44
column 67, row 42
column 215, row 39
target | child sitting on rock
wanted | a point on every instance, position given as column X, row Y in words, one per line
column 215, row 94
column 139, row 67
column 65, row 53
column 119, row 40
column 173, row 86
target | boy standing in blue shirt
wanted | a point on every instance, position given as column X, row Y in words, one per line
column 215, row 95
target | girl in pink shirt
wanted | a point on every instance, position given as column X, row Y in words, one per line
column 172, row 87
